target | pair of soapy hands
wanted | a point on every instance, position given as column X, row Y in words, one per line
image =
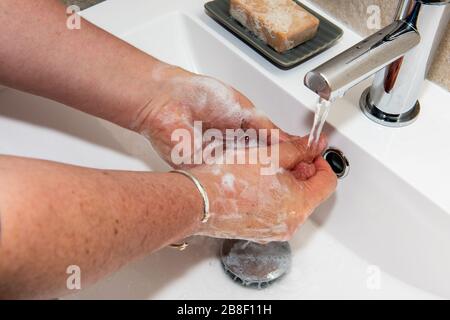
column 244, row 204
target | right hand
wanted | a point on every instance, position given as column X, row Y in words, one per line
column 262, row 208
column 183, row 98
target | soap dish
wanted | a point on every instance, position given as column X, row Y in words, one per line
column 327, row 35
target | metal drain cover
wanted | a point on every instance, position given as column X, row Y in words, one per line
column 337, row 161
column 253, row 264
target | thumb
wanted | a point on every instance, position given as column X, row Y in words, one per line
column 320, row 187
column 297, row 150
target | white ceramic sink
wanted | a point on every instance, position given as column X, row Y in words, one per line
column 384, row 234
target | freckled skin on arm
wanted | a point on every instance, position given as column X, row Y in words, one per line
column 87, row 69
column 55, row 215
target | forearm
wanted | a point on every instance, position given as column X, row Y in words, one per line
column 87, row 69
column 53, row 216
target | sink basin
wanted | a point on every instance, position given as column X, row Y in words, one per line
column 384, row 234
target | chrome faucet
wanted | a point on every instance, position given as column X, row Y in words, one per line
column 399, row 56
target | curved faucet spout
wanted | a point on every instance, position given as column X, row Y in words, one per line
column 333, row 78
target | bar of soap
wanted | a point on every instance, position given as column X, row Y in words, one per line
column 282, row 24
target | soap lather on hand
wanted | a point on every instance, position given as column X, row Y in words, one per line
column 282, row 24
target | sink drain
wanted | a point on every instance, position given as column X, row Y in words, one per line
column 255, row 265
column 337, row 161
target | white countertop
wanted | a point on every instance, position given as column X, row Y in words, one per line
column 323, row 266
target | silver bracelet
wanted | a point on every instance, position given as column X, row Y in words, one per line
column 202, row 191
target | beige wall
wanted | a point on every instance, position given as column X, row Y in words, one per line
column 353, row 13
